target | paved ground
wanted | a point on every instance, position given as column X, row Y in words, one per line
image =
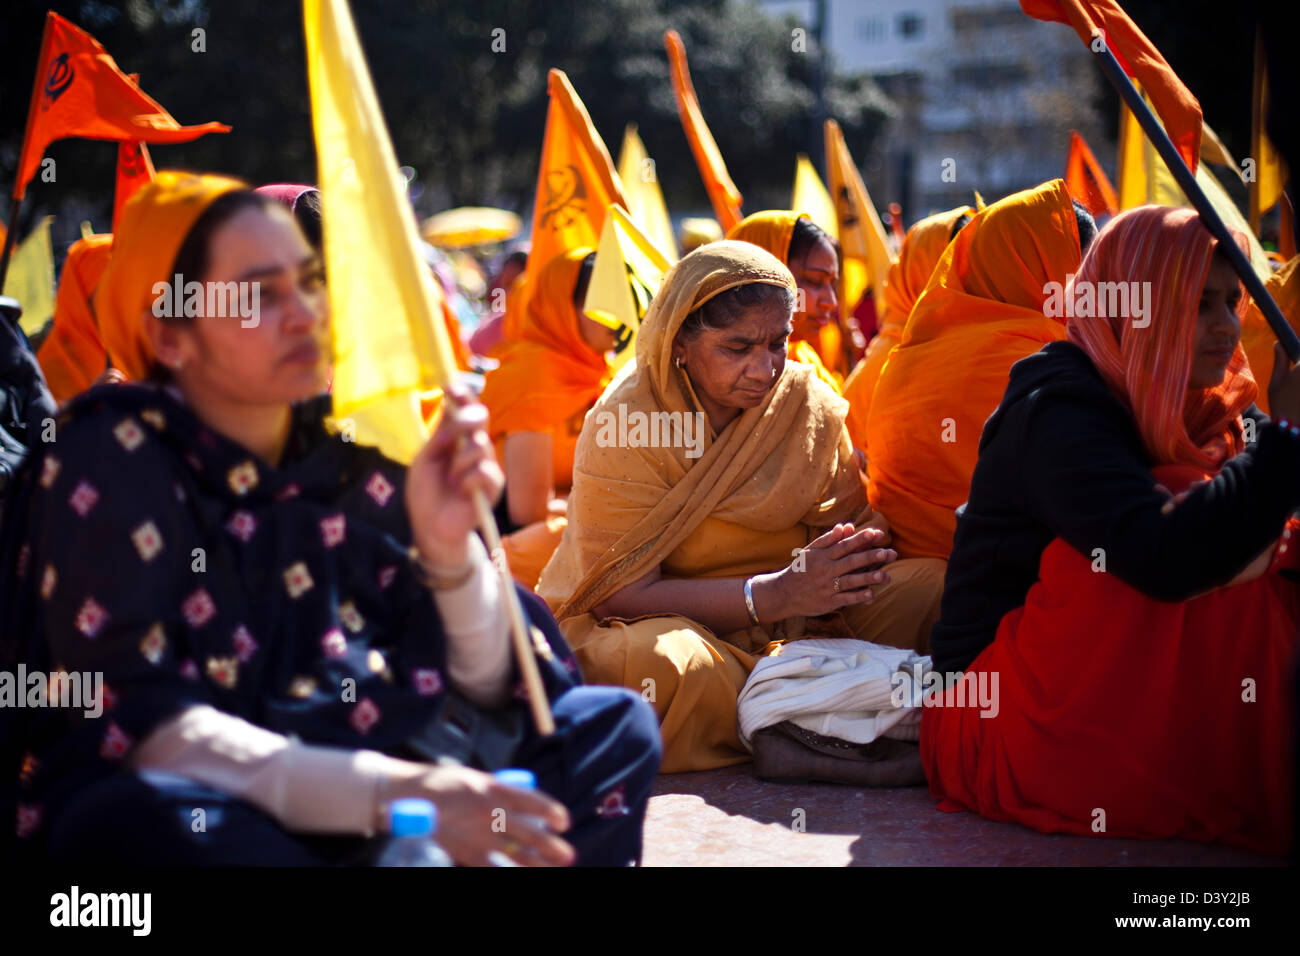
column 731, row 818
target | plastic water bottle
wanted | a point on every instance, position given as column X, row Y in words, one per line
column 524, row 780
column 413, row 822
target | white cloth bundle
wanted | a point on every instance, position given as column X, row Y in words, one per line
column 838, row 688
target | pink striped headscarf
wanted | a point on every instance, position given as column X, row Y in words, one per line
column 1147, row 368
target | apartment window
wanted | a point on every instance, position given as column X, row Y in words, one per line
column 871, row 30
column 910, row 25
column 973, row 19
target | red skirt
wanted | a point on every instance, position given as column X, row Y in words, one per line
column 1121, row 715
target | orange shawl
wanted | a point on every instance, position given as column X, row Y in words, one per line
column 73, row 356
column 772, row 230
column 549, row 376
column 981, row 312
column 783, row 463
column 908, row 274
column 1147, row 367
column 155, row 222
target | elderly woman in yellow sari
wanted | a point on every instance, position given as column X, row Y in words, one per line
column 717, row 510
column 812, row 259
column 920, row 252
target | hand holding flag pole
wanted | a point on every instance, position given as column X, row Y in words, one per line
column 390, row 343
column 1192, row 189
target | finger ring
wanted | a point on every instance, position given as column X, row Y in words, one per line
column 511, row 847
column 835, row 585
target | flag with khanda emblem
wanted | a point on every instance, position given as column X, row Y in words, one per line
column 79, row 91
column 576, row 182
column 628, row 271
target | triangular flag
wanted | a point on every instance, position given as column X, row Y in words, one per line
column 1098, row 21
column 31, row 278
column 576, row 181
column 723, row 193
column 1086, row 181
column 626, row 276
column 390, row 340
column 134, row 169
column 645, row 200
column 810, row 196
column 79, row 91
column 862, row 236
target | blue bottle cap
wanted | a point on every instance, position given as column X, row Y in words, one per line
column 515, row 777
column 412, row 816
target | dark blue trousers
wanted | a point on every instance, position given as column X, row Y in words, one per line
column 600, row 763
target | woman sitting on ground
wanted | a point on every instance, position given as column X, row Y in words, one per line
column 1121, row 577
column 554, row 367
column 922, row 248
column 727, row 514
column 244, row 581
column 984, row 308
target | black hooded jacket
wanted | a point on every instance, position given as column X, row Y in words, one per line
column 1062, row 457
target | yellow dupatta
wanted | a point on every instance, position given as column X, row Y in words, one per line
column 786, row 462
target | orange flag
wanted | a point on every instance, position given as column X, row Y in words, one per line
column 79, row 91
column 1177, row 107
column 134, row 169
column 1087, row 181
column 576, row 182
column 722, row 191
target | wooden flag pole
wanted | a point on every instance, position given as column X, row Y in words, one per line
column 519, row 633
column 1192, row 189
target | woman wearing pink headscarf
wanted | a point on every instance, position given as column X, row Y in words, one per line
column 1121, row 598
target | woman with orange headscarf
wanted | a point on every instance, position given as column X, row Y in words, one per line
column 908, row 274
column 554, row 367
column 1122, row 577
column 203, row 543
column 810, row 254
column 982, row 311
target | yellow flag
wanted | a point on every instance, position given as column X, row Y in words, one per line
column 1145, row 179
column 390, row 344
column 31, row 278
column 1270, row 172
column 645, row 200
column 576, row 182
column 861, row 234
column 628, row 271
column 811, row 197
